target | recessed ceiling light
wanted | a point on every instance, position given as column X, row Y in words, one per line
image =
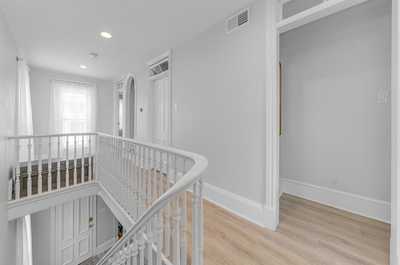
column 106, row 35
column 82, row 66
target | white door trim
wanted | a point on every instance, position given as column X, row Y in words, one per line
column 395, row 134
column 271, row 211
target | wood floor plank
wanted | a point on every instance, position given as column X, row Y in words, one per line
column 309, row 234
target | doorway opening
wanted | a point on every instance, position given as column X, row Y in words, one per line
column 335, row 113
column 160, row 91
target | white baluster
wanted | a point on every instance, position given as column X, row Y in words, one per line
column 29, row 168
column 10, row 188
column 142, row 182
column 90, row 159
column 183, row 222
column 124, row 175
column 75, row 163
column 168, row 209
column 148, row 180
column 67, row 161
column 121, row 257
column 176, row 233
column 141, row 248
column 154, row 175
column 136, row 180
column 17, row 170
column 83, row 160
column 176, row 220
column 127, row 255
column 162, row 191
column 158, row 229
column 58, row 164
column 130, row 177
column 134, row 252
column 197, row 223
column 97, row 152
column 40, row 176
column 49, row 161
column 183, row 243
column 150, row 239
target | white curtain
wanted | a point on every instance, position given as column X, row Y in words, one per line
column 24, row 127
column 72, row 107
column 128, row 124
column 24, row 241
column 25, row 124
column 24, row 110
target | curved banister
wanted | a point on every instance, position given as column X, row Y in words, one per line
column 181, row 186
column 191, row 177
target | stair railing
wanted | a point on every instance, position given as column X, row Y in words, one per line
column 50, row 163
column 150, row 182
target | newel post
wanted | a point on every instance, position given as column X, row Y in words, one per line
column 197, row 222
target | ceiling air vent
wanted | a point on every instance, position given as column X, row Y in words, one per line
column 238, row 20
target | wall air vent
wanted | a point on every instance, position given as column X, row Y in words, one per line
column 238, row 20
column 159, row 68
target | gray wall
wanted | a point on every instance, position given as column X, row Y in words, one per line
column 8, row 74
column 336, row 132
column 40, row 90
column 218, row 86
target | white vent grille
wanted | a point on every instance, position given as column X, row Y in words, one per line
column 159, row 68
column 238, row 20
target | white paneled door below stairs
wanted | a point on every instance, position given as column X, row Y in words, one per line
column 74, row 236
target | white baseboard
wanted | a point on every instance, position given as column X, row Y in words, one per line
column 375, row 209
column 238, row 205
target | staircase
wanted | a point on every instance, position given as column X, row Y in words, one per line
column 149, row 183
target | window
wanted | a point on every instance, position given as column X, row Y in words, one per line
column 73, row 107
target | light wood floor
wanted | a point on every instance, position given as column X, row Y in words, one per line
column 308, row 234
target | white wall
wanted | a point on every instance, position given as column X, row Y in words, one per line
column 218, row 86
column 8, row 68
column 336, row 133
column 40, row 88
column 41, row 237
column 296, row 6
column 105, row 225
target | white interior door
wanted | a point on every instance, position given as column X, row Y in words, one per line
column 73, row 232
column 161, row 111
column 65, row 233
column 82, row 240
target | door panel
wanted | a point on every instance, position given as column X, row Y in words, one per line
column 65, row 221
column 73, row 232
column 161, row 102
column 82, row 239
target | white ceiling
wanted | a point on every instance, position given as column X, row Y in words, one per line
column 59, row 34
